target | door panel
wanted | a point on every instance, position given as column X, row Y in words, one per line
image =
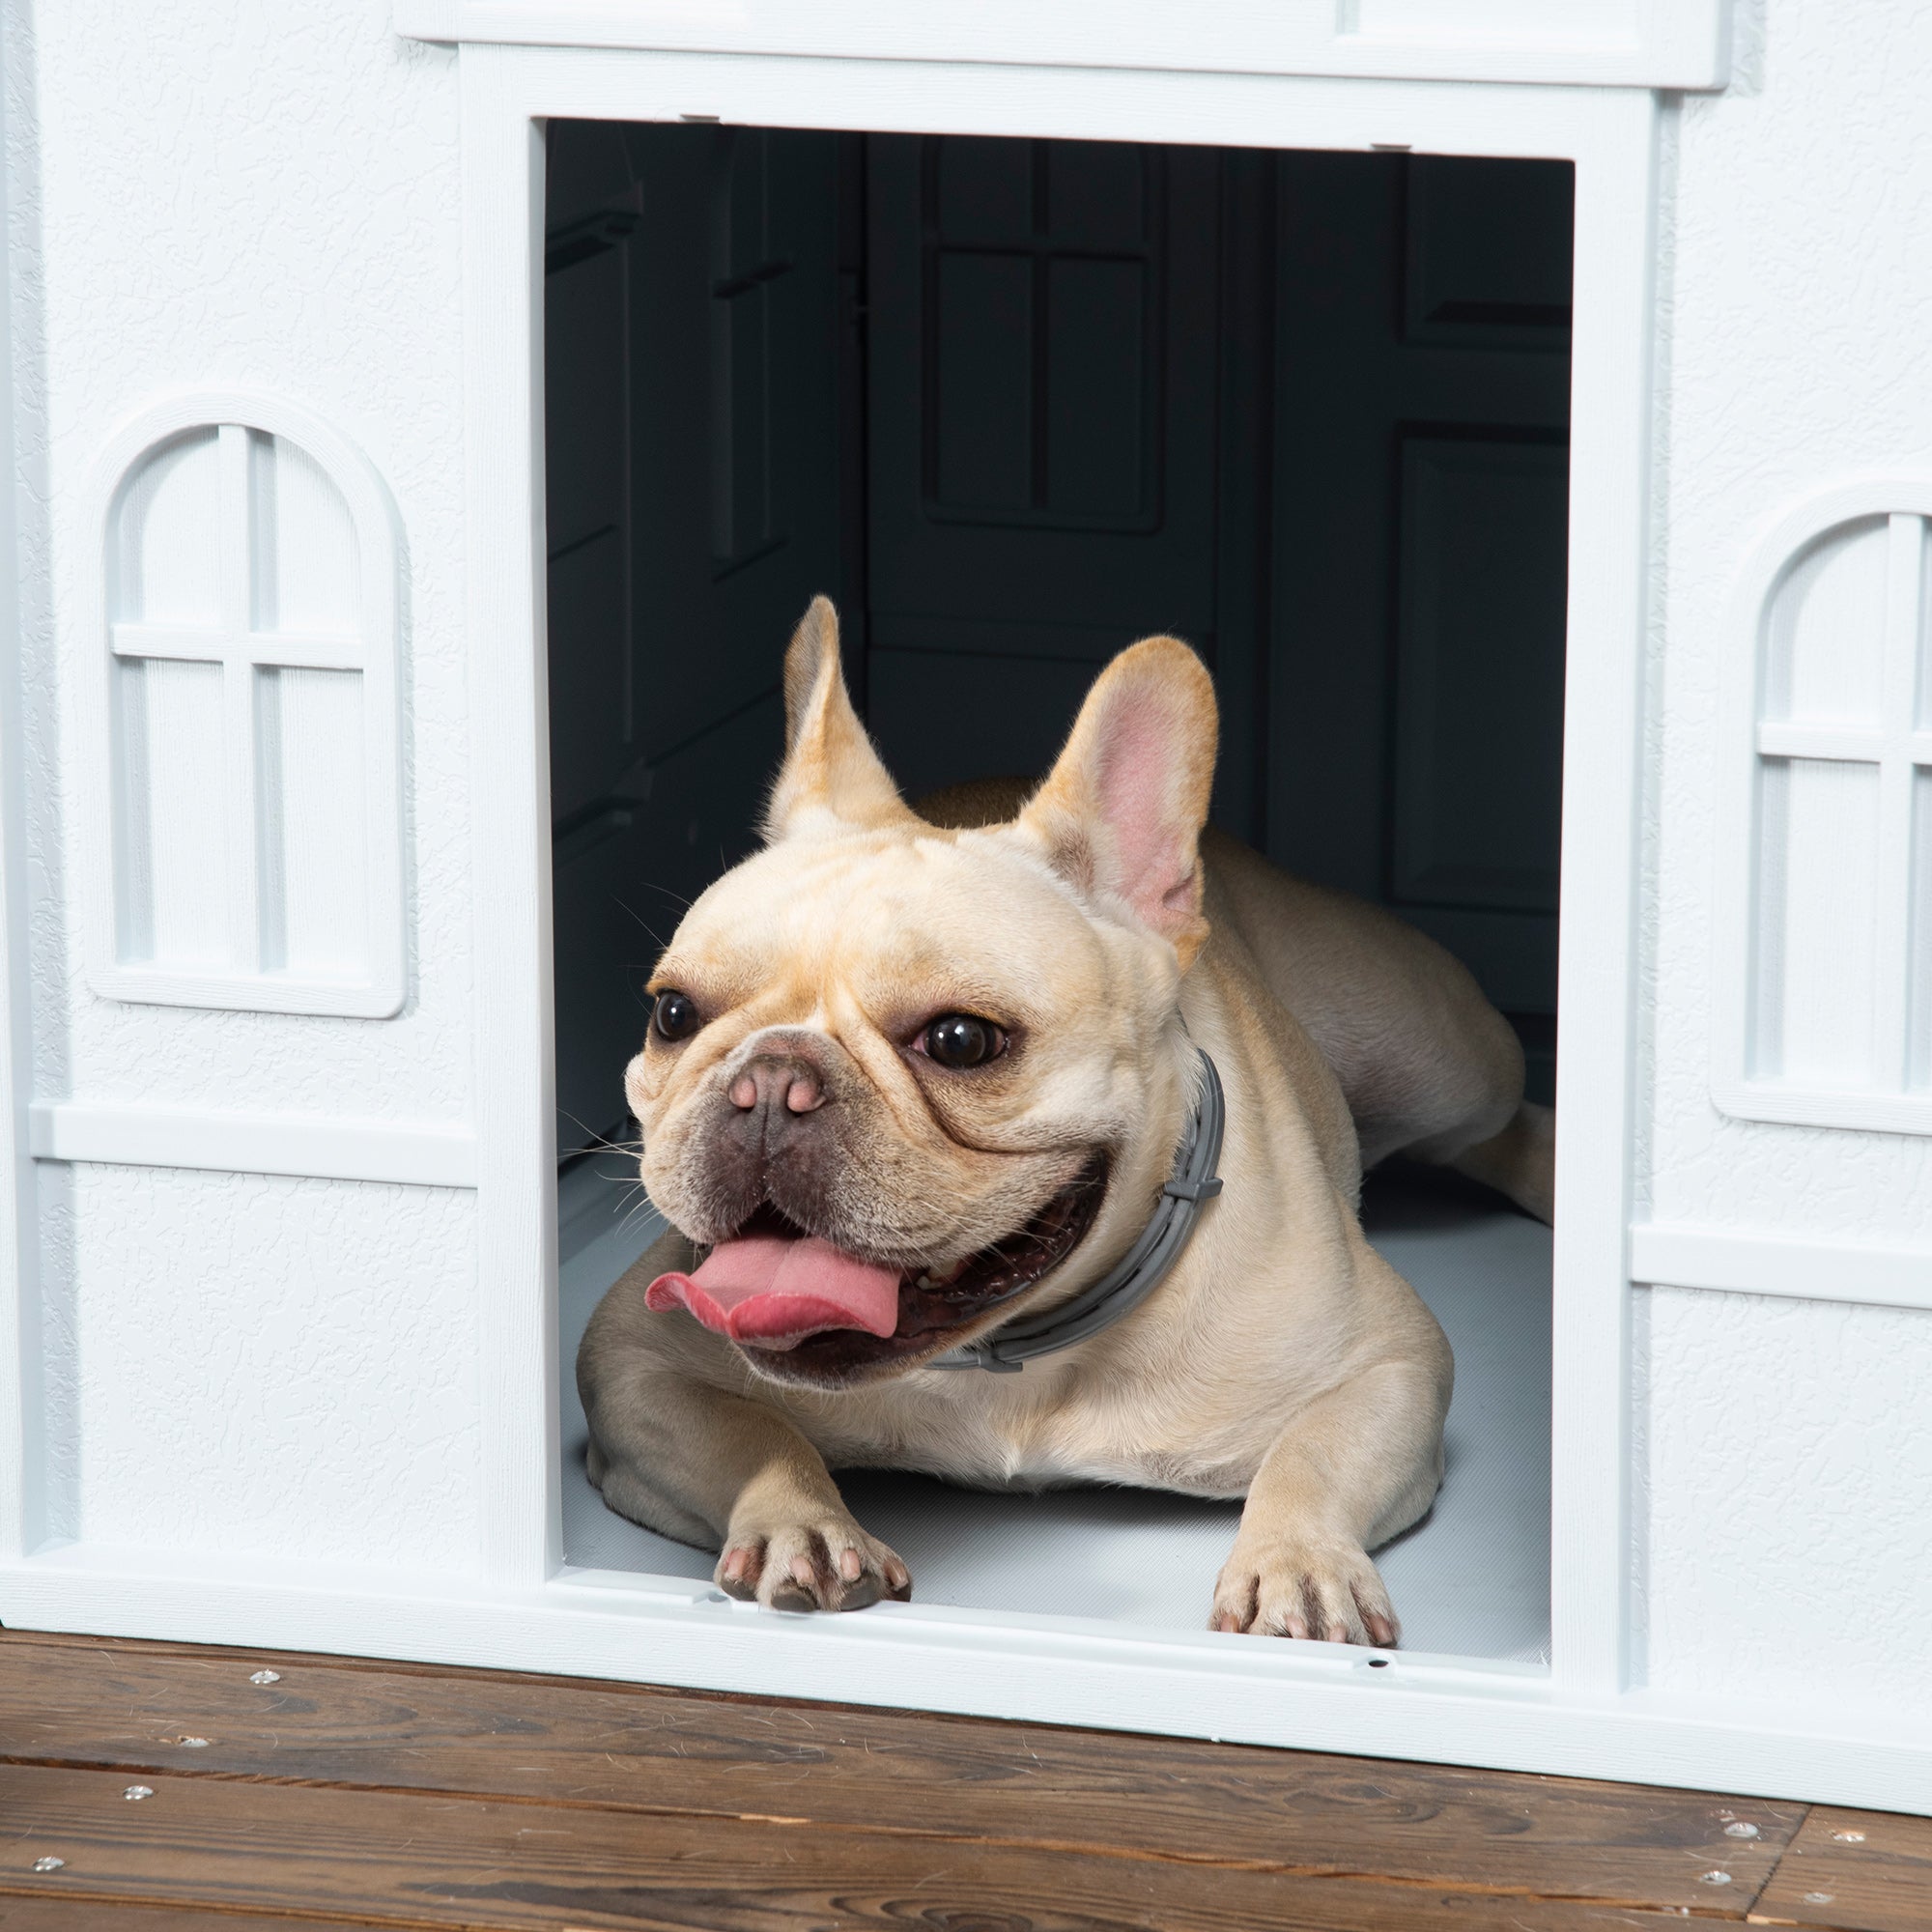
column 1043, row 389
column 693, row 364
column 1476, row 784
column 1420, row 475
column 942, row 717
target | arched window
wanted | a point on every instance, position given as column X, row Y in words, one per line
column 241, row 741
column 1823, row 1009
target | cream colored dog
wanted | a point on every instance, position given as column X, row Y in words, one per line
column 909, row 1075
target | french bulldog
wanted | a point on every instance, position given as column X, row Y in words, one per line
column 910, row 1076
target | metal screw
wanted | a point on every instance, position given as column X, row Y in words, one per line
column 1741, row 1829
column 134, row 1793
column 48, row 1863
column 194, row 1743
column 1819, row 1897
column 1849, row 1837
column 265, row 1677
column 1713, row 1878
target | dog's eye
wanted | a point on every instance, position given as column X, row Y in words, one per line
column 674, row 1016
column 961, row 1039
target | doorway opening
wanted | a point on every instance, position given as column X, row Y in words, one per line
column 1014, row 404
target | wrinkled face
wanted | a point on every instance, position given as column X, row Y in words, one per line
column 915, row 1047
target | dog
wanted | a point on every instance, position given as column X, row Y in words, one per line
column 915, row 1079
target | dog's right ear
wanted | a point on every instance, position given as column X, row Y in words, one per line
column 832, row 780
column 1120, row 815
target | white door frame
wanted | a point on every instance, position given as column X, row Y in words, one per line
column 1608, row 134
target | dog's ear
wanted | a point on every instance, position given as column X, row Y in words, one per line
column 831, row 778
column 1120, row 815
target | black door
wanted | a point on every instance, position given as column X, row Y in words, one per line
column 1015, row 403
column 1414, row 712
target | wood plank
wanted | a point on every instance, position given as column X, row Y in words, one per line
column 417, row 1860
column 86, row 1915
column 642, row 1749
column 1862, row 1871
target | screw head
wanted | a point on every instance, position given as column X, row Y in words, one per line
column 1819, row 1897
column 1741, row 1829
column 1848, row 1837
column 265, row 1677
column 134, row 1793
column 1713, row 1878
column 194, row 1743
column 48, row 1863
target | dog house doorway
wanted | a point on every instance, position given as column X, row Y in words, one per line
column 1014, row 403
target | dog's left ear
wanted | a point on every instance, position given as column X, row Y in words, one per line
column 831, row 778
column 1120, row 815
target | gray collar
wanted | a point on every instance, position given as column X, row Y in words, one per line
column 1139, row 1271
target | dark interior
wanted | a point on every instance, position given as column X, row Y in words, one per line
column 1014, row 404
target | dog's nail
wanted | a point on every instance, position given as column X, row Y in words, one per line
column 801, row 1570
column 851, row 1565
column 803, row 1097
column 743, row 1092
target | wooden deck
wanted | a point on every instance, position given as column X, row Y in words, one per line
column 210, row 1790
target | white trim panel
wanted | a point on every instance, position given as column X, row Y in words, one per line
column 1247, row 1689
column 1675, row 43
column 417, row 1155
column 1890, row 1097
column 1674, row 1256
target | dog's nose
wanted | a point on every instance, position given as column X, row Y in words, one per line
column 764, row 1085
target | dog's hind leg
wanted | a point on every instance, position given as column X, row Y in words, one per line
column 1469, row 1115
column 1520, row 1161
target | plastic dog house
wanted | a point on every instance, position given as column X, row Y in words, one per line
column 285, row 1357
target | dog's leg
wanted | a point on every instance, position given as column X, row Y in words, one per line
column 703, row 1465
column 757, row 1486
column 1355, row 1466
column 1520, row 1162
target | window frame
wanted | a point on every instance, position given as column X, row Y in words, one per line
column 379, row 991
column 1898, row 747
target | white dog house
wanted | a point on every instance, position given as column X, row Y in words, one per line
column 426, row 425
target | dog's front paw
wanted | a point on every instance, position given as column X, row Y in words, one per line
column 829, row 1564
column 1305, row 1586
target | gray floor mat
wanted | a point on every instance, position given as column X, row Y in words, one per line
column 1473, row 1579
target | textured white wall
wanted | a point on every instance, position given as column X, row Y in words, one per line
column 1784, row 1476
column 262, row 1367
column 268, row 197
column 231, row 194
column 1785, row 1506
column 1797, row 308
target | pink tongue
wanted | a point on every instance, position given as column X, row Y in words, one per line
column 775, row 1290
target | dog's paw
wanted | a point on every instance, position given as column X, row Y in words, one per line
column 1300, row 1586
column 830, row 1564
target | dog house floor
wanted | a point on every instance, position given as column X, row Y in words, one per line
column 1471, row 1580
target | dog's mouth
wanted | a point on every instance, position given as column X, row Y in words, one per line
column 807, row 1311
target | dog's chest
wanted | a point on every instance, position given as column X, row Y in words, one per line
column 990, row 1433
